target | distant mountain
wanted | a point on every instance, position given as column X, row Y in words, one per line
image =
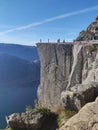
column 18, row 64
column 25, row 52
column 14, row 70
column 91, row 33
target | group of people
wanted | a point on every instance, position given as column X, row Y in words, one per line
column 58, row 40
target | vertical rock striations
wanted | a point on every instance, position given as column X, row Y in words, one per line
column 56, row 66
column 67, row 67
column 76, row 72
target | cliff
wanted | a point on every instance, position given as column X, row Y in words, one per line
column 69, row 80
column 56, row 65
column 64, row 66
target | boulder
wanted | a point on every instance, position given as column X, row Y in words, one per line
column 25, row 121
column 72, row 100
column 79, row 95
column 86, row 119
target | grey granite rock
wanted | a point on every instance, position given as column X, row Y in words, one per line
column 72, row 100
column 63, row 66
column 25, row 121
column 86, row 119
column 91, row 33
column 56, row 65
column 79, row 95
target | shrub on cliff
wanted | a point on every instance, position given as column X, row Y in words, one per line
column 42, row 110
column 8, row 129
column 39, row 109
column 92, row 48
column 64, row 115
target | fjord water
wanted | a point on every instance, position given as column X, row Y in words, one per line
column 15, row 98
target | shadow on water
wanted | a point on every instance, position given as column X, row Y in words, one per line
column 15, row 99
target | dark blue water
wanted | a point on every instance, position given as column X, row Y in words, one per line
column 15, row 98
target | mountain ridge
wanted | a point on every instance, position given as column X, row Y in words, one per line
column 91, row 32
column 16, row 60
column 16, row 70
column 25, row 52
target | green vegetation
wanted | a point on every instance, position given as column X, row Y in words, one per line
column 39, row 109
column 64, row 116
column 9, row 129
column 92, row 48
column 43, row 110
column 60, row 113
column 59, row 116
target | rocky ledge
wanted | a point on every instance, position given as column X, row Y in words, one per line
column 25, row 121
column 39, row 118
column 86, row 119
column 79, row 95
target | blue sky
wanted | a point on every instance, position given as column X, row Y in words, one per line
column 28, row 21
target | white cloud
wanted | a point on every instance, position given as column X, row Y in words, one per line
column 34, row 24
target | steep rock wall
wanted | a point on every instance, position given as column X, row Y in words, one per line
column 62, row 67
column 56, row 65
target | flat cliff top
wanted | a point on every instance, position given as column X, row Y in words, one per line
column 55, row 43
column 85, row 42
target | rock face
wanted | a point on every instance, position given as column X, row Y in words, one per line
column 86, row 119
column 56, row 66
column 32, row 120
column 25, row 121
column 79, row 95
column 91, row 33
column 63, row 66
